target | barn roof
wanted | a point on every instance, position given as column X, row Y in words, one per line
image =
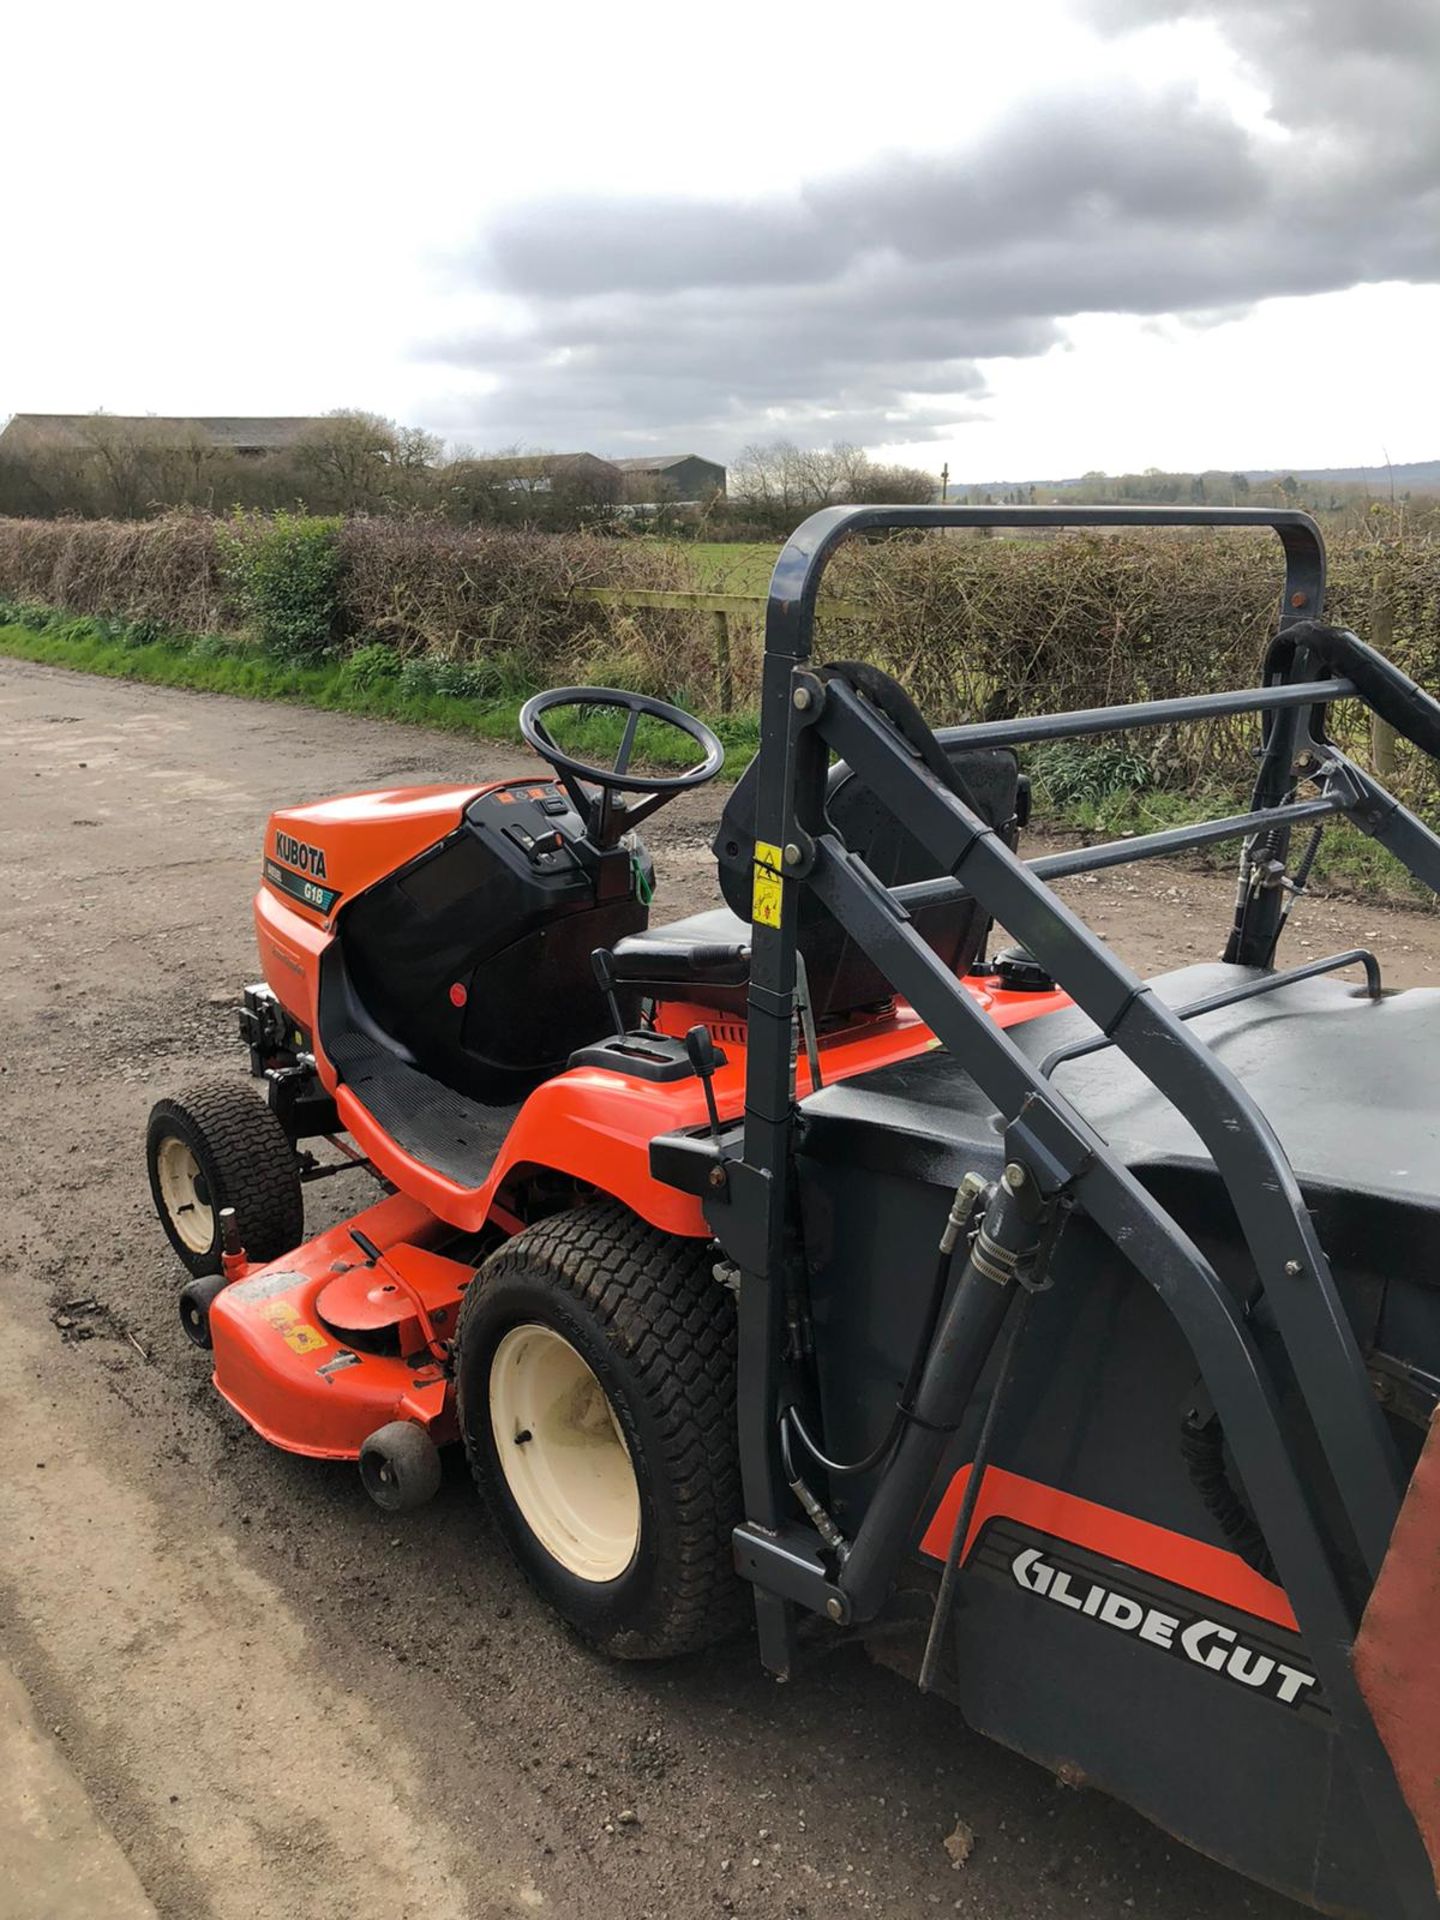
column 272, row 432
column 536, row 463
column 656, row 462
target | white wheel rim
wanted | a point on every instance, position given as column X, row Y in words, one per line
column 563, row 1455
column 182, row 1188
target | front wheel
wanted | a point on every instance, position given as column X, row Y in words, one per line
column 595, row 1379
column 218, row 1146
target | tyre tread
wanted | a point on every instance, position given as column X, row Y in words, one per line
column 657, row 1300
column 255, row 1161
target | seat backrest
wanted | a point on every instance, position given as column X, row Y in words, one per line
column 842, row 977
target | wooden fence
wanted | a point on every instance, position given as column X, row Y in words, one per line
column 721, row 608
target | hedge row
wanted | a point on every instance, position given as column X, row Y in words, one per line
column 996, row 627
column 973, row 626
column 496, row 601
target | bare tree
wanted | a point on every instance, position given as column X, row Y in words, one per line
column 416, row 451
column 897, row 485
column 105, row 464
column 347, row 457
column 780, row 482
column 137, row 467
column 530, row 488
column 39, row 477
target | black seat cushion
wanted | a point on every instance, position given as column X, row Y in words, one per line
column 704, row 958
column 698, row 958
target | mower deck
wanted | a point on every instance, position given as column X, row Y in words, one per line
column 319, row 1349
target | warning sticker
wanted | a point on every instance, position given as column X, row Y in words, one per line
column 297, row 1334
column 768, row 893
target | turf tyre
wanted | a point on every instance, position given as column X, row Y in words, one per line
column 244, row 1160
column 646, row 1315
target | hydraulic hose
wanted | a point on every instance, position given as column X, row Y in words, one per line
column 945, row 1598
column 1008, row 1239
column 967, row 1195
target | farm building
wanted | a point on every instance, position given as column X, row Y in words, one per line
column 57, row 431
column 672, row 477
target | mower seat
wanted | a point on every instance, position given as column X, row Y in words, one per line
column 706, row 953
column 705, row 958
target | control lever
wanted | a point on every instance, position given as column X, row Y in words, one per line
column 378, row 1259
column 704, row 1056
column 604, row 970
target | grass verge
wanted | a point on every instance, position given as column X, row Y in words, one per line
column 1348, row 861
column 222, row 664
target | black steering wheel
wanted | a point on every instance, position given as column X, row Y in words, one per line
column 608, row 820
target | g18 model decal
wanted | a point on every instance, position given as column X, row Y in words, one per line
column 1174, row 1595
column 306, row 883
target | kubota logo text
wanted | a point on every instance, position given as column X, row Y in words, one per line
column 297, row 854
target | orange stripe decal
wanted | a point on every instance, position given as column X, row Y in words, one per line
column 1193, row 1564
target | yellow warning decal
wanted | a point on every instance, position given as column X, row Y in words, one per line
column 297, row 1334
column 768, row 893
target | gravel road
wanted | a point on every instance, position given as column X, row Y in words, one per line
column 283, row 1702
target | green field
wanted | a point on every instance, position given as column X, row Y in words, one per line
column 730, row 566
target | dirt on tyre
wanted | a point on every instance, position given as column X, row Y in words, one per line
column 217, row 1146
column 595, row 1378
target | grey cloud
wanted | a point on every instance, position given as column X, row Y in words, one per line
column 565, row 247
column 1311, row 32
column 863, row 306
column 1054, row 163
column 1364, row 70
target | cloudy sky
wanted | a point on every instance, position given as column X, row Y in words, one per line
column 1026, row 240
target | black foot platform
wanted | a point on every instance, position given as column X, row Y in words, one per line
column 456, row 1137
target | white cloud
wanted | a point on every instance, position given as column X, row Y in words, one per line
column 615, row 226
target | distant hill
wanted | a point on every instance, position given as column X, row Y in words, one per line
column 1414, row 476
column 1408, row 473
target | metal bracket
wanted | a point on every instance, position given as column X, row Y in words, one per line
column 798, row 853
column 1039, row 1138
column 789, row 1564
column 739, row 1215
column 807, row 696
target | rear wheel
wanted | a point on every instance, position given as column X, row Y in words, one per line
column 595, row 1380
column 218, row 1146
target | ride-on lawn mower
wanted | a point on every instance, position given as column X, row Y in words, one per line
column 798, row 1250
